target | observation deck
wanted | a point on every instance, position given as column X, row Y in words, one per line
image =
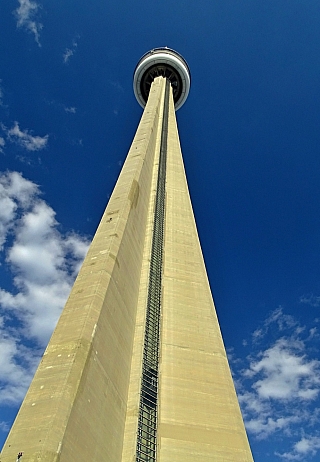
column 162, row 62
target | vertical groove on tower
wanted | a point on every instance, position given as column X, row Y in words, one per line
column 147, row 424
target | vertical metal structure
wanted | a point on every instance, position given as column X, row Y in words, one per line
column 147, row 426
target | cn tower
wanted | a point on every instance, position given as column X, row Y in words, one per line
column 136, row 369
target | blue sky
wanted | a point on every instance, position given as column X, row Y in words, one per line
column 250, row 138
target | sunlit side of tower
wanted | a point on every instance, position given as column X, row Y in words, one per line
column 136, row 369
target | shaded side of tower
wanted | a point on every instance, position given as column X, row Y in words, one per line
column 85, row 400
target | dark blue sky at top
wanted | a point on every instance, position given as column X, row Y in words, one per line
column 249, row 133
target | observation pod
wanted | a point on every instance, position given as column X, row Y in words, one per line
column 163, row 62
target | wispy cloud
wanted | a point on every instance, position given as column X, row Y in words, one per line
column 26, row 15
column 279, row 384
column 4, row 427
column 276, row 321
column 70, row 51
column 307, row 446
column 43, row 263
column 117, row 85
column 24, row 138
column 71, row 110
column 64, row 107
column 2, row 143
column 310, row 299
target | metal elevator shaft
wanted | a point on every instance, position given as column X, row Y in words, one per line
column 147, row 423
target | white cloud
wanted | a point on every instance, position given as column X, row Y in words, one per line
column 70, row 51
column 285, row 373
column 310, row 299
column 15, row 192
column 71, row 110
column 263, row 427
column 4, row 427
column 313, row 332
column 2, row 143
column 25, row 139
column 307, row 446
column 56, row 104
column 26, row 15
column 279, row 387
column 67, row 54
column 16, row 368
column 278, row 320
column 43, row 262
column 257, row 334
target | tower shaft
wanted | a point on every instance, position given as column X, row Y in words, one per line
column 136, row 369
